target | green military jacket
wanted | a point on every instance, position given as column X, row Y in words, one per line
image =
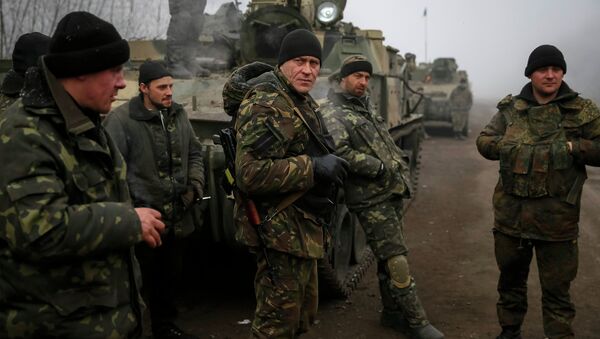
column 362, row 139
column 272, row 162
column 538, row 193
column 67, row 226
column 163, row 159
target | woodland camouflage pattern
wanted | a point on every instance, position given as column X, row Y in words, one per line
column 362, row 139
column 271, row 163
column 531, row 143
column 67, row 228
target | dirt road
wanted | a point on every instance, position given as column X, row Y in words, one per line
column 451, row 256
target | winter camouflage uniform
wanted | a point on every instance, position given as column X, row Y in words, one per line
column 362, row 139
column 67, row 227
column 537, row 198
column 273, row 159
column 164, row 162
column 461, row 101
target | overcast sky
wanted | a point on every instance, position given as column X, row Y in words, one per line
column 491, row 39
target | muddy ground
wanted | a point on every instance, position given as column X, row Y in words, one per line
column 448, row 228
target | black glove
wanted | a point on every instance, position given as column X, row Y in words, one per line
column 330, row 168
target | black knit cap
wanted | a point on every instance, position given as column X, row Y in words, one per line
column 28, row 49
column 152, row 70
column 83, row 43
column 297, row 43
column 355, row 63
column 545, row 55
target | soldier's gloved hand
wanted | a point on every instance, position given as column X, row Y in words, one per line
column 330, row 168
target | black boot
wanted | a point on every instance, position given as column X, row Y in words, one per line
column 510, row 332
column 418, row 325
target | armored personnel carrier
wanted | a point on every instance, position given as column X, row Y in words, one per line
column 438, row 80
column 257, row 37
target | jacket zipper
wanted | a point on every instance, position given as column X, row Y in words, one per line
column 170, row 155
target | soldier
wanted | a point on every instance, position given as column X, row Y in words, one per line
column 67, row 225
column 165, row 172
column 28, row 48
column 374, row 191
column 282, row 152
column 185, row 26
column 461, row 101
column 544, row 137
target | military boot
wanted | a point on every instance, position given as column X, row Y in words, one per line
column 418, row 325
column 392, row 315
column 510, row 332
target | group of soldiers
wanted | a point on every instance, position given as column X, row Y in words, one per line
column 83, row 200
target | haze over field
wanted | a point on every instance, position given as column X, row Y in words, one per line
column 491, row 40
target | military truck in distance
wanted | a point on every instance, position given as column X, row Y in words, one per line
column 263, row 26
column 438, row 79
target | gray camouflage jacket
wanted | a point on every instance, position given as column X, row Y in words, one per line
column 163, row 159
column 362, row 139
column 67, row 227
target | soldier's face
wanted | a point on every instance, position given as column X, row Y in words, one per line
column 101, row 89
column 356, row 83
column 301, row 72
column 547, row 80
column 158, row 93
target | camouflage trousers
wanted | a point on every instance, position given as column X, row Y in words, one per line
column 557, row 264
column 383, row 227
column 286, row 295
column 459, row 120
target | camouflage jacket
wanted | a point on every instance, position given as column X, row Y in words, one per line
column 539, row 190
column 461, row 98
column 67, row 226
column 362, row 139
column 272, row 162
column 170, row 164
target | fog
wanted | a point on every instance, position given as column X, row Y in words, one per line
column 491, row 40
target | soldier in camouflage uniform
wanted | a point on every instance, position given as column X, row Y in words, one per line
column 461, row 101
column 185, row 26
column 28, row 48
column 543, row 137
column 280, row 152
column 377, row 183
column 67, row 226
column 168, row 175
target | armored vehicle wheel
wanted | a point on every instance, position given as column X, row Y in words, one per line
column 347, row 259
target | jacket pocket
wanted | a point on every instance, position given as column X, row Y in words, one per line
column 561, row 159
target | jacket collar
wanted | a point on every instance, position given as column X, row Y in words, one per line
column 340, row 97
column 564, row 93
column 137, row 110
column 43, row 94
